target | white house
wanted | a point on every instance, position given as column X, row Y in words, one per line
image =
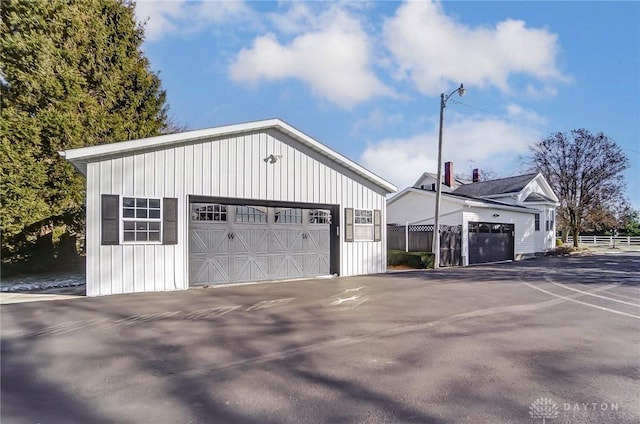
column 502, row 219
column 247, row 202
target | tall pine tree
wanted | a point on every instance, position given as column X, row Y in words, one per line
column 72, row 74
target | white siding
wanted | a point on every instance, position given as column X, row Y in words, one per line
column 229, row 167
column 419, row 208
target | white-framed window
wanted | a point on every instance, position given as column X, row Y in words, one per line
column 319, row 216
column 537, row 222
column 362, row 225
column 550, row 219
column 288, row 216
column 141, row 219
column 208, row 212
column 251, row 214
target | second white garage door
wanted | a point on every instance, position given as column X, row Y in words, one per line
column 236, row 243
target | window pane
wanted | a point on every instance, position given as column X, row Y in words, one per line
column 363, row 232
column 137, row 212
column 319, row 217
column 250, row 214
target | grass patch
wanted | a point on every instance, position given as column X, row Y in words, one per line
column 415, row 260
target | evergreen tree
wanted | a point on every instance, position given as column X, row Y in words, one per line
column 72, row 74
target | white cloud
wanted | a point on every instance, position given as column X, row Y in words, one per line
column 488, row 142
column 169, row 17
column 377, row 119
column 523, row 115
column 298, row 18
column 333, row 56
column 435, row 51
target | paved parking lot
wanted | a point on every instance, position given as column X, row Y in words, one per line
column 553, row 339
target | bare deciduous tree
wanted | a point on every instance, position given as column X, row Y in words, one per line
column 585, row 171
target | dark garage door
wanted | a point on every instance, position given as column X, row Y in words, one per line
column 490, row 242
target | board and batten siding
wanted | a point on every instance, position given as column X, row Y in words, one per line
column 231, row 167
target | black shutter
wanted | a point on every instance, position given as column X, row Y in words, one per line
column 348, row 224
column 169, row 221
column 377, row 225
column 110, row 219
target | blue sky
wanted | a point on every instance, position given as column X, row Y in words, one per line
column 365, row 78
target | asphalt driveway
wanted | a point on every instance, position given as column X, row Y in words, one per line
column 552, row 338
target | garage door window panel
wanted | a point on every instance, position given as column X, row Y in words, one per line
column 288, row 216
column 319, row 216
column 211, row 213
column 251, row 215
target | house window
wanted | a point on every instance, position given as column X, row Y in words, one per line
column 550, row 219
column 319, row 216
column 288, row 216
column 141, row 219
column 213, row 212
column 251, row 214
column 537, row 222
column 363, row 225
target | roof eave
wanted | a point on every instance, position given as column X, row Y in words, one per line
column 480, row 204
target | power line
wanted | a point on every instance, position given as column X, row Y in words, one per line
column 469, row 106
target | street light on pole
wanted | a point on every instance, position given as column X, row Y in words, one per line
column 436, row 227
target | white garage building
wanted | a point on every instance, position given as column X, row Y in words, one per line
column 247, row 202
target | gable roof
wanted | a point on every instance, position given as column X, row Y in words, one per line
column 464, row 200
column 494, row 187
column 80, row 157
column 433, row 176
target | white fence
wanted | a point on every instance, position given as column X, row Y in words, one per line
column 606, row 240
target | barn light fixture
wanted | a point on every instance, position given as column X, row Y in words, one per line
column 436, row 228
column 272, row 159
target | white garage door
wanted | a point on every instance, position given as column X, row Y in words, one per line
column 231, row 243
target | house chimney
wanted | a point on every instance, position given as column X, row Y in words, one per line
column 448, row 174
column 476, row 175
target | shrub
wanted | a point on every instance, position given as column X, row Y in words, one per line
column 559, row 242
column 416, row 260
